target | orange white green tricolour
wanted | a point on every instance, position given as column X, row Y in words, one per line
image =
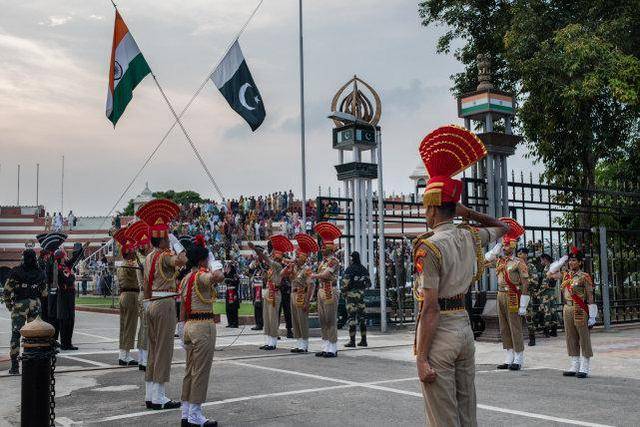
column 128, row 67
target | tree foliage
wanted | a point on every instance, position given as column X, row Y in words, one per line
column 575, row 69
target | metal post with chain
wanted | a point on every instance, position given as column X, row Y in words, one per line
column 38, row 380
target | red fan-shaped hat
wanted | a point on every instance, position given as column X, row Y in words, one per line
column 126, row 242
column 281, row 244
column 576, row 253
column 306, row 243
column 158, row 214
column 445, row 152
column 139, row 232
column 328, row 232
column 515, row 230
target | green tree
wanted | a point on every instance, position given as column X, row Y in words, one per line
column 180, row 197
column 575, row 69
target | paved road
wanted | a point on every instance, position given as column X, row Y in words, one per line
column 370, row 387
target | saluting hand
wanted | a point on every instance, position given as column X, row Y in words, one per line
column 425, row 372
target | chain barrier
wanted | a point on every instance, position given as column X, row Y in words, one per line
column 52, row 384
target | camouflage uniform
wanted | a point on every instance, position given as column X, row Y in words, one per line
column 354, row 283
column 22, row 293
column 547, row 296
column 533, row 309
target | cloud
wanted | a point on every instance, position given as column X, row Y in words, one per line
column 56, row 20
column 95, row 17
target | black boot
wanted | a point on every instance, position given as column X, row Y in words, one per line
column 352, row 341
column 553, row 331
column 532, row 339
column 363, row 341
column 15, row 366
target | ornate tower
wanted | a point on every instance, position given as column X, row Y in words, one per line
column 356, row 135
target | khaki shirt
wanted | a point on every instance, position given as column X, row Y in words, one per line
column 516, row 269
column 300, row 284
column 206, row 289
column 450, row 262
column 164, row 279
column 128, row 277
column 578, row 283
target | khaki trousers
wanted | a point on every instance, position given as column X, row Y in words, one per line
column 451, row 399
column 328, row 317
column 300, row 321
column 128, row 319
column 577, row 336
column 162, row 327
column 200, row 342
column 143, row 338
column 510, row 325
column 270, row 315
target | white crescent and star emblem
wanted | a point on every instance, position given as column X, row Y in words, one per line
column 243, row 99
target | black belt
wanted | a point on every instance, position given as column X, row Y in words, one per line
column 453, row 303
column 200, row 316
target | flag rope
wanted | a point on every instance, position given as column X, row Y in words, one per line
column 184, row 110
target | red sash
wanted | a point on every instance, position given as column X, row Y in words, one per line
column 258, row 292
column 187, row 300
column 575, row 297
column 512, row 287
column 152, row 270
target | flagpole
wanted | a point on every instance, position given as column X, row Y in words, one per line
column 184, row 110
column 302, row 130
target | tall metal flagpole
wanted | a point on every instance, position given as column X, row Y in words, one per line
column 18, row 201
column 62, row 189
column 302, row 140
column 37, row 183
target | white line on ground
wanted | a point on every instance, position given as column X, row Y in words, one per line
column 90, row 362
column 95, row 336
column 349, row 384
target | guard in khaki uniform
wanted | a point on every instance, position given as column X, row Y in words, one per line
column 272, row 297
column 160, row 270
column 579, row 311
column 139, row 233
column 198, row 297
column 446, row 262
column 327, row 274
column 513, row 298
column 302, row 289
column 127, row 273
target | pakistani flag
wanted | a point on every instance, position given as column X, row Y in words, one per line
column 233, row 78
column 128, row 67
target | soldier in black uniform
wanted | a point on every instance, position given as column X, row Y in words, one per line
column 232, row 296
column 22, row 293
column 66, row 304
column 356, row 280
column 285, row 305
column 50, row 244
column 258, row 282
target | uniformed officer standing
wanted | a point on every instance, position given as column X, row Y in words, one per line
column 355, row 281
column 160, row 271
column 198, row 296
column 49, row 246
column 66, row 304
column 327, row 274
column 548, row 298
column 513, row 298
column 579, row 312
column 22, row 292
column 302, row 290
column 446, row 262
column 139, row 233
column 129, row 288
column 272, row 297
column 258, row 282
column 532, row 316
column 232, row 296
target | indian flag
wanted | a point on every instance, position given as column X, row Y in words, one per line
column 128, row 68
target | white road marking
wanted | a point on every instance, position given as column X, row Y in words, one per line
column 90, row 362
column 116, row 388
column 375, row 385
column 64, row 421
column 95, row 336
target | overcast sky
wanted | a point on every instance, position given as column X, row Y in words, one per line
column 54, row 59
